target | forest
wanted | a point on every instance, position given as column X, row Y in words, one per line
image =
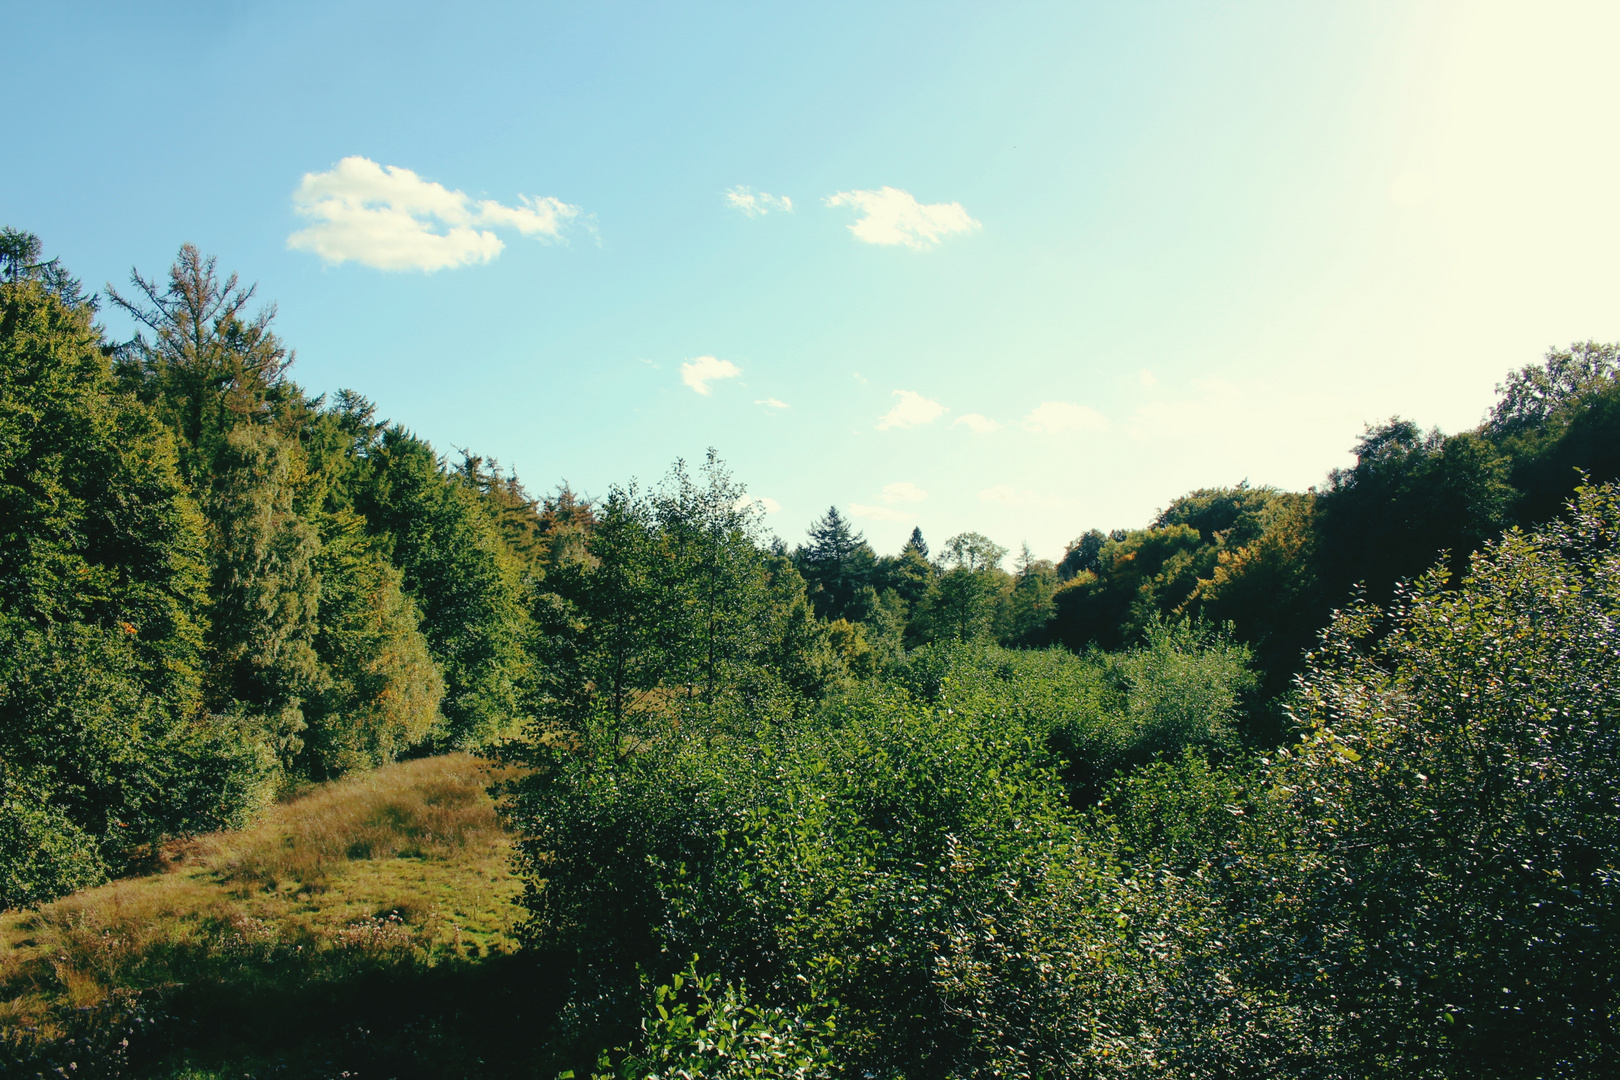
column 1297, row 784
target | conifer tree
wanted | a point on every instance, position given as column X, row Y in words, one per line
column 208, row 365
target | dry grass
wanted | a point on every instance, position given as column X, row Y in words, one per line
column 403, row 865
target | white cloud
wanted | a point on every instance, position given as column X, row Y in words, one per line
column 1007, row 495
column 876, row 513
column 892, row 216
column 388, row 218
column 1054, row 417
column 772, row 403
column 1147, row 379
column 754, row 203
column 913, row 410
column 904, row 491
column 765, row 503
column 702, row 370
column 979, row 425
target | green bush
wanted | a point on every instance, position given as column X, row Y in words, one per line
column 914, row 851
column 715, row 1033
column 1425, row 886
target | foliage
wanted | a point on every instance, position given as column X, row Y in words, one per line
column 676, row 609
column 208, row 366
column 838, row 567
column 714, row 1032
column 867, row 844
column 963, row 602
column 102, row 613
column 383, row 690
column 457, row 569
column 1423, row 886
column 267, row 592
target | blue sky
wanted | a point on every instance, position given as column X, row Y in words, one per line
column 1046, row 266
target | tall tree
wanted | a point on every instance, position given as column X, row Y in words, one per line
column 837, row 565
column 208, row 365
column 964, row 604
column 458, row 570
column 103, row 609
column 1028, row 608
column 268, row 592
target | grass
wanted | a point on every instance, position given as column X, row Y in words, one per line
column 383, row 899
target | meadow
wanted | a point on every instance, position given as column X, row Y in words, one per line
column 360, row 914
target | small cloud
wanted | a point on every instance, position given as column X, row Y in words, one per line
column 1007, row 495
column 904, row 491
column 913, row 410
column 388, row 218
column 875, row 513
column 700, row 371
column 979, row 425
column 891, row 216
column 754, row 203
column 1054, row 417
column 862, row 379
column 765, row 503
column 772, row 403
column 1148, row 379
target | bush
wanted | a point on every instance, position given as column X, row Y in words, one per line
column 1425, row 885
column 716, row 1034
column 911, row 855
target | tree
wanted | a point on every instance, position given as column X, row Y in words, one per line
column 963, row 608
column 1559, row 421
column 904, row 584
column 1029, row 605
column 1538, row 393
column 20, row 261
column 268, row 593
column 1410, row 496
column 103, row 607
column 837, row 565
column 1423, row 885
column 383, row 689
column 1082, row 555
column 917, row 543
column 208, row 366
column 678, row 612
column 457, row 569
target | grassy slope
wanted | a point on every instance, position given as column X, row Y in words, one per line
column 365, row 925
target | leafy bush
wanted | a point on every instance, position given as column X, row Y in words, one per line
column 715, row 1033
column 1425, row 885
column 915, row 851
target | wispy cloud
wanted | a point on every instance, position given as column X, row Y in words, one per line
column 765, row 503
column 1007, row 495
column 904, row 491
column 876, row 513
column 913, row 410
column 979, row 425
column 754, row 203
column 700, row 371
column 1056, row 417
column 1147, row 379
column 892, row 216
column 388, row 218
column 772, row 403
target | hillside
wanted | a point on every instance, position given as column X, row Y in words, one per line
column 270, row 947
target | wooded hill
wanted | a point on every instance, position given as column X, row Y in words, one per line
column 901, row 841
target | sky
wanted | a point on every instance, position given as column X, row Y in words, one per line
column 1024, row 269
